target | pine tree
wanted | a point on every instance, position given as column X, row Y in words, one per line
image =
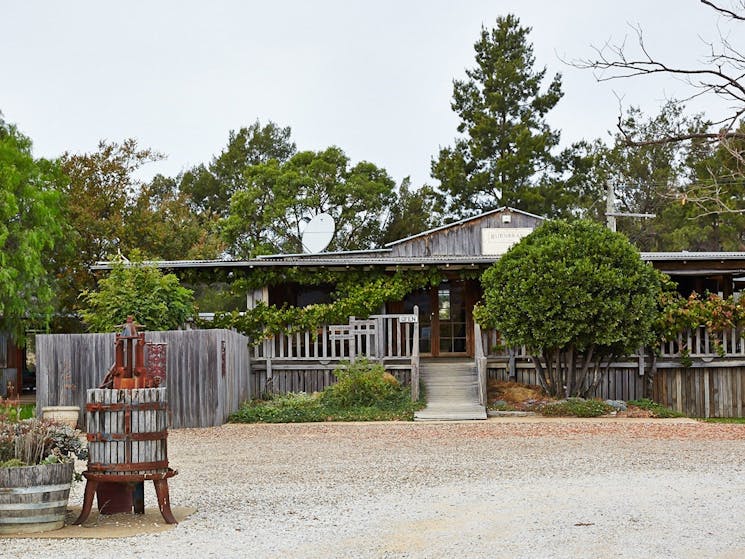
column 504, row 156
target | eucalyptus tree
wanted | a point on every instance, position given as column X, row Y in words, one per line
column 32, row 228
column 716, row 76
column 270, row 212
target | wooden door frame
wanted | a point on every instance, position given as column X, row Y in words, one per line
column 435, row 302
column 471, row 293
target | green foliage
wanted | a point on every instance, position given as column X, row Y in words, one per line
column 357, row 295
column 14, row 410
column 413, row 212
column 501, row 406
column 364, row 392
column 575, row 407
column 657, row 410
column 31, row 229
column 210, row 188
column 506, row 138
column 36, row 441
column 714, row 312
column 649, row 177
column 707, row 210
column 289, row 408
column 268, row 213
column 156, row 300
column 161, row 225
column 680, row 314
column 363, row 384
column 574, row 294
column 101, row 187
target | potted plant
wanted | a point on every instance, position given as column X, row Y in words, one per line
column 37, row 464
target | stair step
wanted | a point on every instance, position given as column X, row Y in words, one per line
column 452, row 391
column 455, row 415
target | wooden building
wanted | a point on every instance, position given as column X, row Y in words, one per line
column 461, row 251
column 437, row 323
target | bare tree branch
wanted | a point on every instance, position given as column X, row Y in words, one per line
column 725, row 11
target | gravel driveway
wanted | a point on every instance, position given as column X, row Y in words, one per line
column 498, row 488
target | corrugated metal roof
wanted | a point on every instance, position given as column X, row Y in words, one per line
column 371, row 251
column 318, row 260
column 685, row 255
column 462, row 221
column 377, row 258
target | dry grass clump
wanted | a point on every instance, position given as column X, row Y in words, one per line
column 513, row 393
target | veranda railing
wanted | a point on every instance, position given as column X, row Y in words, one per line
column 390, row 339
column 693, row 343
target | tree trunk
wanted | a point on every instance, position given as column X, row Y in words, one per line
column 540, row 372
column 570, row 374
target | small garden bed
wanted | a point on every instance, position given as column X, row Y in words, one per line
column 514, row 397
column 364, row 392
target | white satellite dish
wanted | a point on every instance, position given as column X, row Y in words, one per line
column 318, row 233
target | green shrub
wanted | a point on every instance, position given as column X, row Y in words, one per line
column 302, row 408
column 656, row 409
column 38, row 441
column 13, row 410
column 364, row 384
column 296, row 407
column 576, row 407
column 364, row 392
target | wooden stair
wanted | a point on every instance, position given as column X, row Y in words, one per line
column 451, row 387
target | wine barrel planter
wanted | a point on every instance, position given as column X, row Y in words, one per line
column 34, row 498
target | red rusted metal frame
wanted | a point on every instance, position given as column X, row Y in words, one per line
column 108, row 437
column 140, row 373
column 155, row 364
column 160, row 481
column 121, row 406
column 100, row 467
column 131, row 478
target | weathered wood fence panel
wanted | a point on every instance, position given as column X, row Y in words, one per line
column 207, row 371
column 700, row 373
column 307, row 378
column 619, row 383
column 702, row 391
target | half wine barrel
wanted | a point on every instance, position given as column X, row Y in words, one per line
column 34, row 498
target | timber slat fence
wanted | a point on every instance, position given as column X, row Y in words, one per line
column 700, row 373
column 211, row 372
column 207, row 372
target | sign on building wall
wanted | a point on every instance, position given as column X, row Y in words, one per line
column 499, row 240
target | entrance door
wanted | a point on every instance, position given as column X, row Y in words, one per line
column 423, row 300
column 442, row 319
column 450, row 317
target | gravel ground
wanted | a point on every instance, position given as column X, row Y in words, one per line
column 517, row 488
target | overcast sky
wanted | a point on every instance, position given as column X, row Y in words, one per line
column 374, row 78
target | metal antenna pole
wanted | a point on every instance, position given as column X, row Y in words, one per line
column 611, row 214
column 610, row 208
